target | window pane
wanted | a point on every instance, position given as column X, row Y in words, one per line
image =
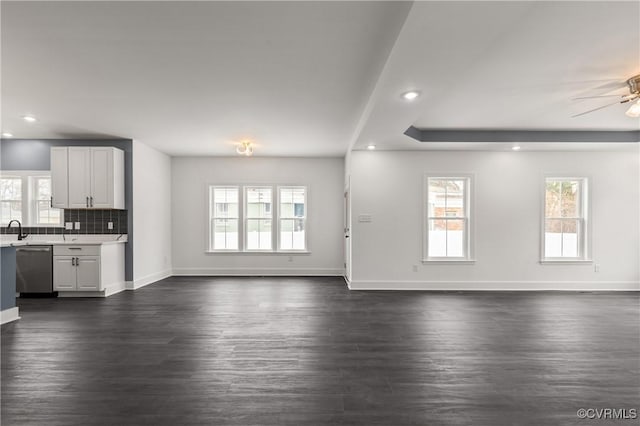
column 553, row 238
column 258, row 234
column 437, row 198
column 552, row 199
column 570, row 238
column 225, row 202
column 292, row 202
column 570, row 199
column 43, row 188
column 11, row 189
column 225, row 234
column 259, row 202
column 292, row 234
column 455, row 238
column 455, row 198
column 437, row 238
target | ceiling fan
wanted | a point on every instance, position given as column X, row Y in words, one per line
column 634, row 94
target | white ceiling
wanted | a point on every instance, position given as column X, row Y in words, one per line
column 311, row 78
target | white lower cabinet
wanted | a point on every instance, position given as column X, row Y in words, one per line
column 87, row 268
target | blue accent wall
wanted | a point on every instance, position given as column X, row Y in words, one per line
column 35, row 154
column 7, row 278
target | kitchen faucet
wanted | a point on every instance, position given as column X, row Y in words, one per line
column 20, row 235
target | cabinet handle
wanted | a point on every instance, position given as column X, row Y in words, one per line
column 77, row 261
column 91, row 203
column 52, row 201
column 87, row 201
column 73, row 261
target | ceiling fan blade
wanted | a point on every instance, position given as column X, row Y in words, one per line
column 595, row 109
column 600, row 96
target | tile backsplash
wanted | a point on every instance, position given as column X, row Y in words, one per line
column 91, row 222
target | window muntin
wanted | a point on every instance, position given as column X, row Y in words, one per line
column 564, row 219
column 258, row 218
column 224, row 217
column 292, row 218
column 447, row 220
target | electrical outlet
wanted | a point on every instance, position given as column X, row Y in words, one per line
column 109, row 225
column 77, row 225
column 596, row 267
column 68, row 225
column 290, row 258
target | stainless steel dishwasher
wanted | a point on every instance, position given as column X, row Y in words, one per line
column 34, row 270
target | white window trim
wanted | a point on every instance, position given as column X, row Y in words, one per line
column 306, row 210
column 242, row 250
column 210, row 248
column 585, row 239
column 469, row 234
column 28, row 210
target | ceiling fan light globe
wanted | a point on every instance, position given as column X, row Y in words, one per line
column 634, row 110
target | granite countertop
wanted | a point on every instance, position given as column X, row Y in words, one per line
column 34, row 240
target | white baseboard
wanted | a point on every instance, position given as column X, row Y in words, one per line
column 148, row 279
column 300, row 272
column 8, row 315
column 495, row 285
column 115, row 289
column 82, row 293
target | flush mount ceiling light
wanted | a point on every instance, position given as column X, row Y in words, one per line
column 7, row 135
column 516, row 147
column 410, row 95
column 29, row 118
column 371, row 147
column 245, row 148
column 634, row 110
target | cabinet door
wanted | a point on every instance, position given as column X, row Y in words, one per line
column 64, row 273
column 88, row 270
column 79, row 177
column 59, row 178
column 101, row 178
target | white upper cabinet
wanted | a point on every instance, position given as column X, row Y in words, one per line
column 93, row 177
column 79, row 177
column 59, row 178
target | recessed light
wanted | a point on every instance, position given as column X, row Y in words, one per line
column 516, row 147
column 410, row 95
column 371, row 147
column 7, row 135
column 28, row 118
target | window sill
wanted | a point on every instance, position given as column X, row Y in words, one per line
column 566, row 262
column 257, row 252
column 448, row 261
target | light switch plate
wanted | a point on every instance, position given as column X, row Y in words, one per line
column 109, row 225
column 77, row 225
column 68, row 225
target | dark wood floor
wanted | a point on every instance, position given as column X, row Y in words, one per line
column 294, row 351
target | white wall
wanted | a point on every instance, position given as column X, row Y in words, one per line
column 151, row 215
column 324, row 178
column 508, row 203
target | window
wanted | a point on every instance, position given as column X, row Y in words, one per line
column 258, row 218
column 260, row 225
column 224, row 217
column 565, row 227
column 10, row 199
column 447, row 218
column 26, row 196
column 43, row 213
column 292, row 218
